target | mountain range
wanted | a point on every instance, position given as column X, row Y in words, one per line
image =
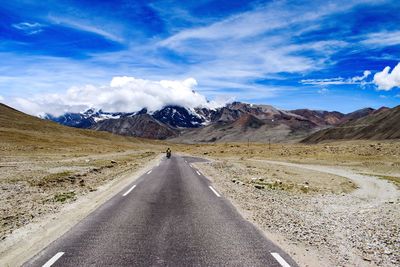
column 234, row 122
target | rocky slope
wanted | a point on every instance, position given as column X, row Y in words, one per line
column 142, row 125
column 321, row 118
column 377, row 125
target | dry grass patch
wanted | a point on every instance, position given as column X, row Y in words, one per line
column 262, row 175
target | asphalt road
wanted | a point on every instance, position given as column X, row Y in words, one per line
column 171, row 216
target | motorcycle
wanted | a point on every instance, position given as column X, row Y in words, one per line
column 168, row 154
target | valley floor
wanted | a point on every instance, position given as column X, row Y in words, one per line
column 333, row 204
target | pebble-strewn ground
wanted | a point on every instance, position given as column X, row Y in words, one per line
column 31, row 187
column 344, row 229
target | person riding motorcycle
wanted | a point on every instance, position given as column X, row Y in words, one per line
column 168, row 152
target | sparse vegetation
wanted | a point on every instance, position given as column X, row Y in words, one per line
column 54, row 178
column 63, row 197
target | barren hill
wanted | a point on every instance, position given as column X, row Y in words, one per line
column 22, row 132
column 384, row 124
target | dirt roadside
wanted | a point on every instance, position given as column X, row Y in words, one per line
column 28, row 240
column 317, row 229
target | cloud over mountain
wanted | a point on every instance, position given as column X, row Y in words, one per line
column 387, row 81
column 123, row 94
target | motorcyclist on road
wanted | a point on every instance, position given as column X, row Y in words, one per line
column 168, row 152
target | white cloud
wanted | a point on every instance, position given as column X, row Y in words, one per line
column 263, row 19
column 328, row 81
column 29, row 28
column 339, row 80
column 356, row 79
column 1, row 98
column 383, row 38
column 258, row 43
column 125, row 94
column 84, row 26
column 387, row 81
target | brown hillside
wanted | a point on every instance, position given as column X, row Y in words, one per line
column 22, row 132
column 376, row 126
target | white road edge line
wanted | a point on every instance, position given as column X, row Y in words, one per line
column 215, row 192
column 53, row 260
column 149, row 172
column 198, row 173
column 130, row 189
column 280, row 259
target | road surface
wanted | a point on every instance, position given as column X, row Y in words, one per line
column 170, row 216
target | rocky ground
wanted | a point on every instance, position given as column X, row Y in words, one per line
column 34, row 185
column 342, row 221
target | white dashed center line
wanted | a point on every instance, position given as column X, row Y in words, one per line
column 53, row 260
column 149, row 172
column 198, row 173
column 130, row 189
column 215, row 192
column 280, row 259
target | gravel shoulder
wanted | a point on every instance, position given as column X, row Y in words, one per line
column 356, row 227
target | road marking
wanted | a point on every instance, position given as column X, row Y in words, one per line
column 53, row 260
column 149, row 172
column 130, row 189
column 198, row 173
column 215, row 192
column 280, row 259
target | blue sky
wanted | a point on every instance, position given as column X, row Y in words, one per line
column 291, row 54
